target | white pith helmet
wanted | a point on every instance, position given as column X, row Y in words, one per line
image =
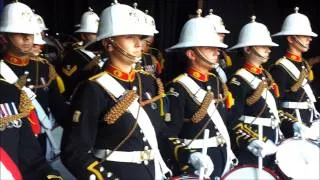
column 217, row 22
column 119, row 19
column 254, row 34
column 17, row 17
column 151, row 23
column 89, row 22
column 41, row 22
column 296, row 24
column 198, row 32
column 37, row 39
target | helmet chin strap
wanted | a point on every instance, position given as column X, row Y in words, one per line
column 204, row 58
column 255, row 52
column 300, row 45
column 132, row 58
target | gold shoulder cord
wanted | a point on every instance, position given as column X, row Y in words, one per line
column 295, row 87
column 160, row 95
column 121, row 107
column 52, row 72
column 258, row 91
column 200, row 114
column 25, row 107
column 115, row 114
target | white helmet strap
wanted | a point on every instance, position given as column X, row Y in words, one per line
column 132, row 58
column 299, row 43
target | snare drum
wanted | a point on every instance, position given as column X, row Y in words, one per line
column 298, row 159
column 249, row 172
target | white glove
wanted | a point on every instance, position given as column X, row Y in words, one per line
column 300, row 130
column 256, row 147
column 198, row 161
column 259, row 148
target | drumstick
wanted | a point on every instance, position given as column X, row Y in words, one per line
column 260, row 158
column 204, row 151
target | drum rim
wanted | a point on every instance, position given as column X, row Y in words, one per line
column 274, row 174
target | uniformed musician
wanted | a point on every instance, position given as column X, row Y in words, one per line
column 224, row 58
column 115, row 116
column 293, row 74
column 35, row 75
column 255, row 93
column 21, row 156
column 197, row 98
column 78, row 63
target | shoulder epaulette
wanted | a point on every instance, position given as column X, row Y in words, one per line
column 92, row 78
column 279, row 60
column 177, row 78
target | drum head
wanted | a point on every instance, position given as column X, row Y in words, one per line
column 298, row 159
column 248, row 172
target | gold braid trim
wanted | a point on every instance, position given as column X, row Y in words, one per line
column 160, row 95
column 269, row 77
column 286, row 116
column 257, row 93
column 121, row 107
column 298, row 84
column 199, row 115
column 52, row 72
column 25, row 107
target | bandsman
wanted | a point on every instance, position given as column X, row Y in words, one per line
column 293, row 73
column 21, row 156
column 255, row 93
column 78, row 63
column 116, row 123
column 198, row 99
column 35, row 75
column 224, row 59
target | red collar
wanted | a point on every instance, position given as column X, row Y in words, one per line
column 293, row 57
column 197, row 75
column 117, row 73
column 253, row 69
column 15, row 60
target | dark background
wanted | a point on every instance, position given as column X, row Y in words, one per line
column 170, row 15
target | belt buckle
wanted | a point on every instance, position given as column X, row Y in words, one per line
column 220, row 140
column 145, row 156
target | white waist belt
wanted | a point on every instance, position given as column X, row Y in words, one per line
column 211, row 142
column 296, row 105
column 125, row 156
column 267, row 122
